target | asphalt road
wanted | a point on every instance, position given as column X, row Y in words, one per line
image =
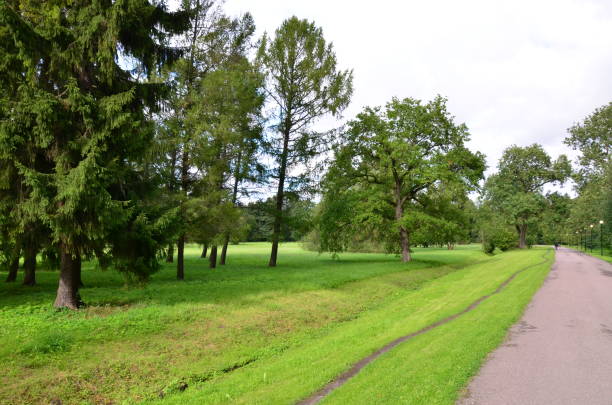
column 560, row 352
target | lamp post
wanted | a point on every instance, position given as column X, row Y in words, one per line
column 601, row 236
column 591, row 239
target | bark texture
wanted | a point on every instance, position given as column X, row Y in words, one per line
column 213, row 257
column 13, row 269
column 180, row 258
column 403, row 233
column 224, row 249
column 280, row 194
column 29, row 266
column 68, row 288
column 204, row 251
column 522, row 232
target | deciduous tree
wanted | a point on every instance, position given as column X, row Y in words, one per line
column 304, row 84
column 387, row 167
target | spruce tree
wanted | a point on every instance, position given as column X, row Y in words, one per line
column 79, row 111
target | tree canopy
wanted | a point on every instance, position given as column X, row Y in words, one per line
column 392, row 167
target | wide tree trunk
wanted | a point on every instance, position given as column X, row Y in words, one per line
column 522, row 233
column 224, row 249
column 13, row 269
column 204, row 251
column 405, row 245
column 278, row 215
column 213, row 257
column 170, row 253
column 68, row 288
column 180, row 258
column 29, row 266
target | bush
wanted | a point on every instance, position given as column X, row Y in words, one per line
column 488, row 246
column 505, row 239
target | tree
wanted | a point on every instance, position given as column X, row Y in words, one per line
column 216, row 98
column 304, row 85
column 387, row 169
column 593, row 138
column 82, row 115
column 228, row 111
column 516, row 190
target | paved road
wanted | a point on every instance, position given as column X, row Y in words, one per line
column 560, row 352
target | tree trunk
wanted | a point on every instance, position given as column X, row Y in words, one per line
column 68, row 288
column 13, row 269
column 234, row 199
column 405, row 245
column 204, row 251
column 404, row 238
column 224, row 249
column 522, row 232
column 29, row 266
column 213, row 256
column 180, row 258
column 170, row 253
column 278, row 217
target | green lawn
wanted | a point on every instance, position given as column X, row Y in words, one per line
column 245, row 333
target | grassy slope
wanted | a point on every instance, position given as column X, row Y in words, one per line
column 134, row 343
column 303, row 369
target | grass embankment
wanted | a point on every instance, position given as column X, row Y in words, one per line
column 242, row 333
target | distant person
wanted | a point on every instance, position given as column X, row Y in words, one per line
column 556, row 245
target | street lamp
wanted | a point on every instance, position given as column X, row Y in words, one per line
column 601, row 236
column 591, row 239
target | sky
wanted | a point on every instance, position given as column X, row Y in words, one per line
column 515, row 72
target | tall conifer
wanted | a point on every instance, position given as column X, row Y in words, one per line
column 74, row 124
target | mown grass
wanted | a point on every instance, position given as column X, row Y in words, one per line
column 450, row 358
column 134, row 344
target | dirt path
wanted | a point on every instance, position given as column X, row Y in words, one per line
column 560, row 352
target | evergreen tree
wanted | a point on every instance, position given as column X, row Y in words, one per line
column 79, row 111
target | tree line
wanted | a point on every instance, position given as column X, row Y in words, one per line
column 128, row 130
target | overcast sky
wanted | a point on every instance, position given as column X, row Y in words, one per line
column 516, row 72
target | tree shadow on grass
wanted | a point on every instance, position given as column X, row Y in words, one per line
column 246, row 277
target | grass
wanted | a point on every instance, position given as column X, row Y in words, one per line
column 607, row 256
column 246, row 333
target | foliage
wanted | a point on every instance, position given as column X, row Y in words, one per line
column 304, row 84
column 81, row 116
column 393, row 174
column 593, row 138
column 516, row 190
column 298, row 222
